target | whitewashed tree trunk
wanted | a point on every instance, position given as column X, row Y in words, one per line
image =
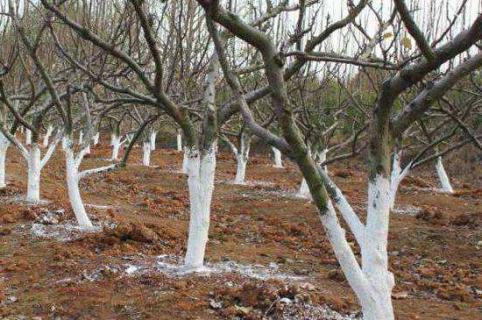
column 304, row 190
column 28, row 137
column 112, row 138
column 374, row 252
column 278, row 162
column 201, row 186
column 4, row 144
column 34, row 168
column 116, row 145
column 72, row 176
column 396, row 177
column 185, row 162
column 153, row 140
column 443, row 177
column 146, row 159
column 96, row 138
column 322, row 158
column 81, row 138
column 242, row 156
column 179, row 141
column 64, row 143
column 47, row 136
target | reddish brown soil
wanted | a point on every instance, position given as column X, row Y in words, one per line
column 436, row 255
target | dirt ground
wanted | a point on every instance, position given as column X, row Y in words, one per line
column 282, row 265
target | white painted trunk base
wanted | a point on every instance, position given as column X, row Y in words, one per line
column 96, row 138
column 201, row 186
column 179, row 141
column 72, row 176
column 28, row 137
column 47, row 136
column 116, row 145
column 4, row 144
column 33, row 163
column 81, row 138
column 443, row 177
column 278, row 162
column 241, row 164
column 304, row 190
column 146, row 159
column 185, row 162
column 153, row 140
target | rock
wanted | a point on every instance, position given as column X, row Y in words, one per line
column 285, row 301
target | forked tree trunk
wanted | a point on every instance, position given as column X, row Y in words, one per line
column 179, row 141
column 201, row 185
column 4, row 144
column 34, row 169
column 278, row 162
column 72, row 176
column 153, row 140
column 443, row 177
column 146, row 158
column 242, row 157
column 47, row 136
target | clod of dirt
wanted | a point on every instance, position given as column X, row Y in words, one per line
column 432, row 215
column 466, row 219
column 130, row 231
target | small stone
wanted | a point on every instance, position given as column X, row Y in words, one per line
column 215, row 304
column 285, row 301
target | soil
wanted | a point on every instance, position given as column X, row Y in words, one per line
column 119, row 271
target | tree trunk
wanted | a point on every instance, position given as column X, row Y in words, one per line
column 179, row 141
column 374, row 252
column 4, row 144
column 201, row 185
column 443, row 177
column 116, row 145
column 153, row 140
column 95, row 139
column 185, row 162
column 146, row 147
column 304, row 190
column 395, row 179
column 47, row 136
column 33, row 163
column 242, row 157
column 72, row 176
column 278, row 162
column 81, row 138
column 28, row 137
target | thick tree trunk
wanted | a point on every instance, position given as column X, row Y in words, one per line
column 443, row 177
column 201, row 185
column 4, row 144
column 146, row 158
column 278, row 162
column 179, row 141
column 72, row 176
column 374, row 252
column 153, row 140
column 47, row 136
column 34, row 169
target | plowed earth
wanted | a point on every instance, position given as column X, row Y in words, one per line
column 272, row 241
